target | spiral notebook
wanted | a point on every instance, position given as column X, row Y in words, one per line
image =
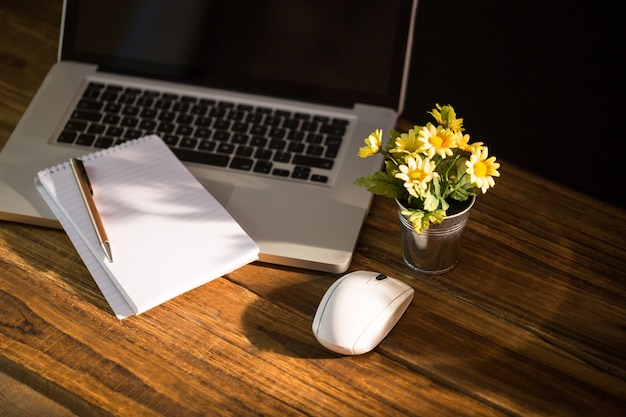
column 168, row 234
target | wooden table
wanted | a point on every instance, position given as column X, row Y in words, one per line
column 531, row 322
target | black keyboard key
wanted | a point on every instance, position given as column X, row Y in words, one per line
column 181, row 107
column 96, row 129
column 254, row 117
column 132, row 134
column 283, row 157
column 167, row 116
column 202, row 157
column 206, row 145
column 129, row 122
column 109, row 96
column 130, row 111
column 309, row 126
column 263, row 167
column 170, row 140
column 104, row 142
column 148, row 125
column 313, row 162
column 86, row 115
column 145, row 101
column 67, row 137
column 319, row 178
column 89, row 105
column 244, row 164
column 296, row 147
column 166, row 127
column 188, row 143
column 148, row 113
column 323, row 119
column 112, row 108
column 111, row 119
column 92, row 93
column 126, row 98
column 203, row 121
column 239, row 139
column 185, row 119
column 184, row 130
column 115, row 131
column 236, row 115
column 221, row 124
column 277, row 133
column 301, row 173
column 290, row 123
column 203, row 133
column 295, row 135
column 263, row 154
column 314, row 138
column 217, row 112
column 258, row 141
column 226, row 148
column 280, row 172
column 258, row 130
column 221, row 135
column 163, row 104
column 244, row 151
column 240, row 127
column 199, row 110
column 334, row 129
column 75, row 125
column 85, row 139
column 315, row 150
column 341, row 122
column 272, row 121
column 277, row 145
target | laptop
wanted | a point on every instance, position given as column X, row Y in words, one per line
column 297, row 84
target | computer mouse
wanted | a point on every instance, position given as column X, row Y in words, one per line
column 359, row 310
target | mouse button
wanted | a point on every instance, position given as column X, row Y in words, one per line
column 384, row 322
column 339, row 326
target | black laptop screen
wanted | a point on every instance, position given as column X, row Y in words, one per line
column 330, row 51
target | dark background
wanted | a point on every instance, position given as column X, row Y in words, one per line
column 541, row 83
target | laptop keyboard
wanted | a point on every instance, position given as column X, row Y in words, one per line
column 243, row 137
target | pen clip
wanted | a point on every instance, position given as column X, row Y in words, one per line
column 83, row 171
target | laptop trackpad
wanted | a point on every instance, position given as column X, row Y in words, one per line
column 220, row 190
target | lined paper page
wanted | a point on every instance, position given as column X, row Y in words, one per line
column 168, row 235
column 114, row 297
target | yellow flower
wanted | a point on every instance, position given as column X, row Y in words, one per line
column 446, row 117
column 372, row 144
column 437, row 140
column 416, row 174
column 482, row 168
column 463, row 143
column 408, row 143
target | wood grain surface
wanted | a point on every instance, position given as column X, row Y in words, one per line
column 531, row 322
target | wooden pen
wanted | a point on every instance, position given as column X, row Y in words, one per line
column 86, row 191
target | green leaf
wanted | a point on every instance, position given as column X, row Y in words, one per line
column 381, row 183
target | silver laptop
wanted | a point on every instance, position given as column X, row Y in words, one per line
column 266, row 102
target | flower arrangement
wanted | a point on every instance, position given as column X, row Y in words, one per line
column 429, row 166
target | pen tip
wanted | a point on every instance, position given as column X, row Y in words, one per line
column 107, row 251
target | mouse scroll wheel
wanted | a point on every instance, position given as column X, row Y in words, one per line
column 380, row 277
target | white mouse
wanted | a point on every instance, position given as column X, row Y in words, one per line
column 359, row 310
